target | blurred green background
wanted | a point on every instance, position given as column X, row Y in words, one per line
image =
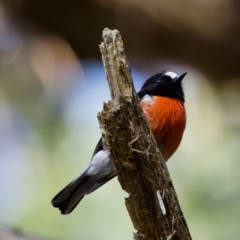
column 52, row 84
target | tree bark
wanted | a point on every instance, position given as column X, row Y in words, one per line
column 152, row 203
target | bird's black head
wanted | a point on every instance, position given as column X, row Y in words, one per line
column 167, row 84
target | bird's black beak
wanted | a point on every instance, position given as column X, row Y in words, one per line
column 180, row 78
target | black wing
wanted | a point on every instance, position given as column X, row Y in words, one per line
column 98, row 148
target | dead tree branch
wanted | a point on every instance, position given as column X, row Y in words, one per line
column 7, row 233
column 152, row 203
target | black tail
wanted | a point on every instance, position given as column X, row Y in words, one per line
column 68, row 198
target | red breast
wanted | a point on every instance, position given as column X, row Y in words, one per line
column 167, row 120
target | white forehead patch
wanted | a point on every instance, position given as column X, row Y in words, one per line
column 172, row 75
column 147, row 99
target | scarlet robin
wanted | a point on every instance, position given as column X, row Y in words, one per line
column 162, row 100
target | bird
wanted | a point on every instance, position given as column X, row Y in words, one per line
column 162, row 101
